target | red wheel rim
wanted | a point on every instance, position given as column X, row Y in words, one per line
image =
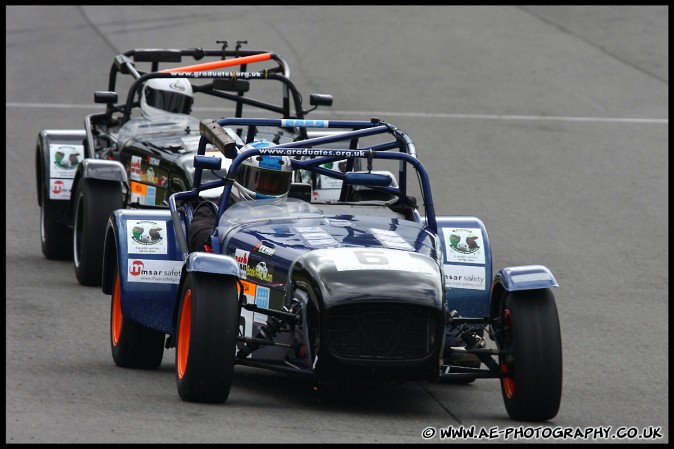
column 116, row 316
column 508, row 383
column 184, row 328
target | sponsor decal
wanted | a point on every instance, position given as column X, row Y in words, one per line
column 463, row 245
column 149, row 176
column 262, row 301
column 152, row 160
column 135, row 171
column 64, row 160
column 263, row 249
column 259, row 271
column 177, row 86
column 59, row 189
column 249, row 289
column 138, row 192
column 290, row 123
column 315, row 236
column 151, row 197
column 241, row 257
column 154, row 271
column 147, row 237
column 326, row 182
column 391, row 239
column 462, row 276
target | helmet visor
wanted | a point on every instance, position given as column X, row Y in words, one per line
column 263, row 181
column 168, row 101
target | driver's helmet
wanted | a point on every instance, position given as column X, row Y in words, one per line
column 166, row 95
column 262, row 176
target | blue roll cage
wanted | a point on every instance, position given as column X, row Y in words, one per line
column 359, row 129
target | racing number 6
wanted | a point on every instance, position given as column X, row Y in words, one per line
column 371, row 257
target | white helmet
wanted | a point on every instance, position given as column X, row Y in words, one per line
column 262, row 176
column 166, row 95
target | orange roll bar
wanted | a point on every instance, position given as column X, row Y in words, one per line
column 220, row 64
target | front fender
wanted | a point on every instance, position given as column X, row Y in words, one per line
column 204, row 262
column 212, row 263
column 524, row 277
column 100, row 169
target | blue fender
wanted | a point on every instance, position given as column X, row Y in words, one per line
column 150, row 270
column 525, row 277
column 467, row 270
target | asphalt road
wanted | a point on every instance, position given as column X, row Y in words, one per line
column 550, row 123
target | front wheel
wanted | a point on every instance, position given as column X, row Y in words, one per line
column 207, row 329
column 95, row 200
column 531, row 335
column 133, row 345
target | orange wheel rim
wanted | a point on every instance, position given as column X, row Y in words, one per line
column 184, row 329
column 507, row 382
column 116, row 315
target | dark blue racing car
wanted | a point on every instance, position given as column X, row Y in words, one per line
column 368, row 286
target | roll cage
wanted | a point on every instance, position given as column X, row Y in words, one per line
column 214, row 132
column 232, row 85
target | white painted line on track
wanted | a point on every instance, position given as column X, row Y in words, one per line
column 400, row 114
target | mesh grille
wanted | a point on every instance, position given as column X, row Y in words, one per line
column 381, row 331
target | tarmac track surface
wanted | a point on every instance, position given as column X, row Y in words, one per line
column 550, row 123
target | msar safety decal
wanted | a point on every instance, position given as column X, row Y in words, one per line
column 463, row 245
column 154, row 271
column 59, row 189
column 462, row 276
column 146, row 237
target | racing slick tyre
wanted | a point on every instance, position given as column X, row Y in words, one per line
column 207, row 330
column 133, row 345
column 56, row 238
column 95, row 200
column 531, row 333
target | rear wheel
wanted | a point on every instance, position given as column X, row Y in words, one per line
column 56, row 238
column 531, row 333
column 133, row 345
column 207, row 328
column 95, row 200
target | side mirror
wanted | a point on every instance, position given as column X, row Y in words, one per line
column 207, row 162
column 301, row 191
column 219, row 137
column 368, row 179
column 105, row 97
column 320, row 100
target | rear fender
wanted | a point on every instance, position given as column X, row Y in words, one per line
column 524, row 277
column 143, row 244
column 57, row 155
column 467, row 265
